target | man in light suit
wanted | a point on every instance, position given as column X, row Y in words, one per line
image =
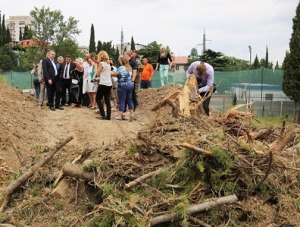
column 64, row 73
column 50, row 77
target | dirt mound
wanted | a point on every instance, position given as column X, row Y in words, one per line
column 132, row 173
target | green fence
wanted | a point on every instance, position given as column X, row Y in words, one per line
column 23, row 80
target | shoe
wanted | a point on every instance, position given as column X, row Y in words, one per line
column 123, row 117
column 89, row 106
column 77, row 106
column 59, row 107
column 92, row 108
column 102, row 118
column 52, row 108
column 66, row 104
column 117, row 119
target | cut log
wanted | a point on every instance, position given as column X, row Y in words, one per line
column 73, row 170
column 194, row 209
column 59, row 191
column 263, row 133
column 15, row 184
column 198, row 149
column 285, row 139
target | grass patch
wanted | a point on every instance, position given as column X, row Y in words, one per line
column 272, row 120
column 2, row 79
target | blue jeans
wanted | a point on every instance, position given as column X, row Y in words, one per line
column 145, row 84
column 125, row 95
column 163, row 71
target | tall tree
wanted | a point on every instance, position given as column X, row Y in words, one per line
column 3, row 30
column 256, row 64
column 267, row 58
column 194, row 52
column 291, row 66
column 99, row 46
column 20, row 34
column 132, row 44
column 92, row 46
column 7, row 36
column 51, row 28
column 1, row 34
column 277, row 67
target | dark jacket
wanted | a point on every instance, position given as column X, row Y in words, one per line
column 61, row 70
column 48, row 70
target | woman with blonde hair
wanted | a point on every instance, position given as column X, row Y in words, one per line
column 104, row 85
column 125, row 87
column 164, row 63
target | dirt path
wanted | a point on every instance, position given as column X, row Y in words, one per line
column 82, row 123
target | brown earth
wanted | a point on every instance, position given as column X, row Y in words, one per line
column 126, row 150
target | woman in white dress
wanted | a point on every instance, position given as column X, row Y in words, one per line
column 91, row 87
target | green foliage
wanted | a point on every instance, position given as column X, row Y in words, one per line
column 181, row 209
column 51, row 27
column 291, row 79
column 40, row 149
column 2, row 79
column 57, row 206
column 131, row 150
column 68, row 47
column 34, row 192
column 105, row 220
column 194, row 52
column 256, row 64
column 92, row 45
column 132, row 44
column 297, row 204
column 220, row 62
column 90, row 167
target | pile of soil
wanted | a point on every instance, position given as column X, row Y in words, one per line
column 261, row 169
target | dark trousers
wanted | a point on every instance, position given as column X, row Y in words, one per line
column 65, row 84
column 104, row 91
column 205, row 103
column 146, row 84
column 54, row 89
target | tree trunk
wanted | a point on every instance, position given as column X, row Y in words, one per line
column 194, row 209
column 15, row 184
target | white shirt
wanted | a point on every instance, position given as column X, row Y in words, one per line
column 54, row 66
column 105, row 76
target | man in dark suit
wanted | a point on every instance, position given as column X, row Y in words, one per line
column 64, row 73
column 51, row 79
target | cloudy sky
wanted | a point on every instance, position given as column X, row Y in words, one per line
column 231, row 25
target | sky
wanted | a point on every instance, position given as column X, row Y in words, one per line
column 230, row 26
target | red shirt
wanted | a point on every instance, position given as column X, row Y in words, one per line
column 147, row 72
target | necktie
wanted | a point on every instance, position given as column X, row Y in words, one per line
column 66, row 71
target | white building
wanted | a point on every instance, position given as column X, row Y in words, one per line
column 15, row 23
column 258, row 92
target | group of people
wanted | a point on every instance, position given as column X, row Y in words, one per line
column 96, row 81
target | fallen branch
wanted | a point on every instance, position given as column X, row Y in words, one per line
column 18, row 153
column 15, row 184
column 202, row 223
column 140, row 179
column 165, row 101
column 198, row 149
column 194, row 209
column 267, row 172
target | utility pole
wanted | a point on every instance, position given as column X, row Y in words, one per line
column 122, row 41
column 204, row 42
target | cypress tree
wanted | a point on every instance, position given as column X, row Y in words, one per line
column 256, row 64
column 7, row 36
column 92, row 46
column 267, row 58
column 99, row 46
column 3, row 30
column 291, row 66
column 1, row 34
column 20, row 35
column 132, row 44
